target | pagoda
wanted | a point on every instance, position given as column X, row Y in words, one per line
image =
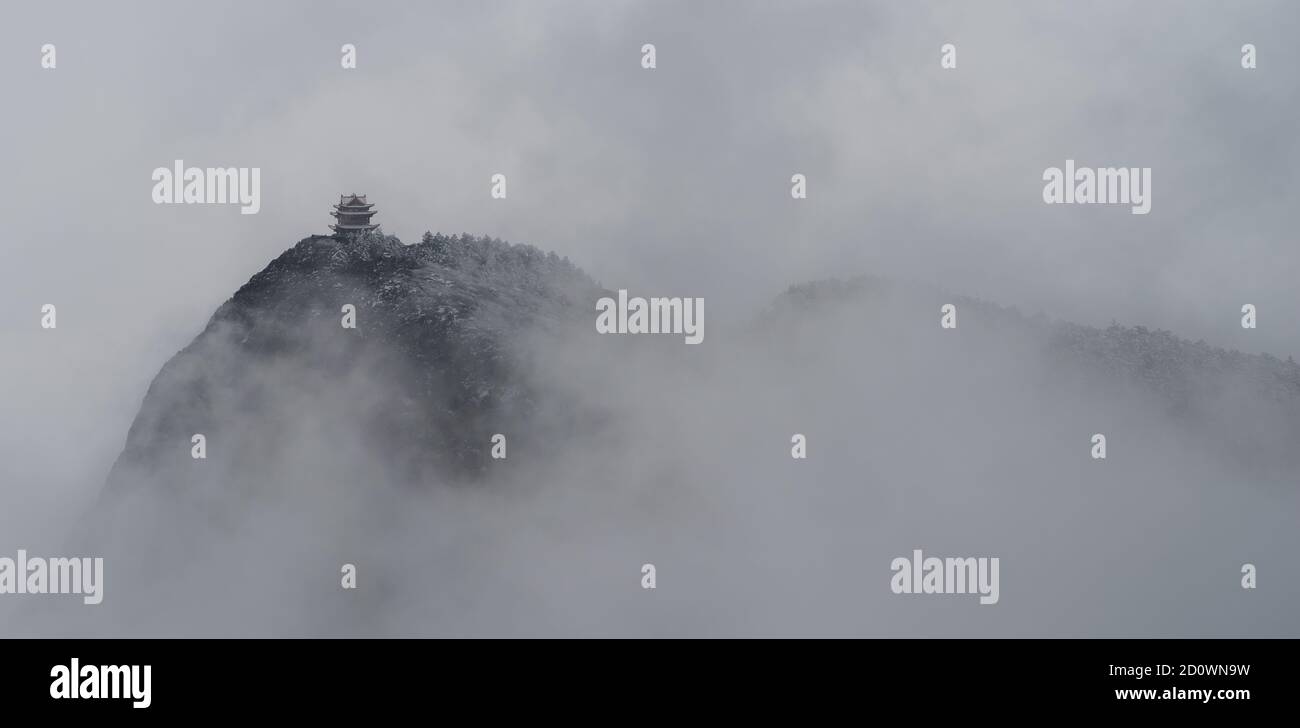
column 353, row 214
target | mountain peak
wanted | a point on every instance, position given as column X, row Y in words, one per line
column 448, row 318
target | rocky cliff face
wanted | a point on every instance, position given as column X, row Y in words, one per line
column 437, row 362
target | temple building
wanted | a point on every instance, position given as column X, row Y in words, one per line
column 353, row 214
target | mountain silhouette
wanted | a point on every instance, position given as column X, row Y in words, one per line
column 444, row 356
column 431, row 369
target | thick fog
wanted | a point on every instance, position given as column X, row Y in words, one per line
column 672, row 181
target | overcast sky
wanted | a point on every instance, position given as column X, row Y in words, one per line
column 672, row 181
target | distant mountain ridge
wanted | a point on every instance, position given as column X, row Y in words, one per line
column 1247, row 402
